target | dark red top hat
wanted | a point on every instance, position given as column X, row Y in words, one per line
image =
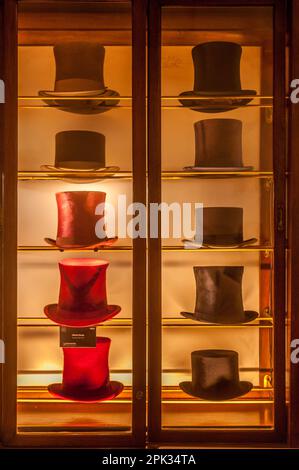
column 82, row 297
column 80, row 151
column 218, row 146
column 77, row 220
column 216, row 76
column 79, row 73
column 86, row 375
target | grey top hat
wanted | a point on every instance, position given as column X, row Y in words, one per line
column 215, row 375
column 219, row 296
column 222, row 227
column 218, row 146
column 79, row 73
column 217, row 74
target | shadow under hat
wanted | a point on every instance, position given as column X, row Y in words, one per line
column 215, row 376
column 216, row 78
column 219, row 296
column 80, row 74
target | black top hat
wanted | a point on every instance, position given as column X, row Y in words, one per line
column 217, row 74
column 79, row 73
column 215, row 375
column 222, row 227
column 218, row 146
column 80, row 151
column 219, row 296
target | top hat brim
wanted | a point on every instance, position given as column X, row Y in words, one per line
column 81, row 319
column 249, row 315
column 216, row 102
column 101, row 243
column 234, row 391
column 108, row 392
column 108, row 169
column 88, row 106
column 192, row 243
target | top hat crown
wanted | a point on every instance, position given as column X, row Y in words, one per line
column 80, row 150
column 215, row 375
column 218, row 145
column 217, row 74
column 86, row 374
column 217, row 67
column 221, row 227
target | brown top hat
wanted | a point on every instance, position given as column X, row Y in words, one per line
column 218, row 146
column 77, row 220
column 215, row 376
column 217, row 75
column 86, row 375
column 80, row 151
column 222, row 227
column 219, row 296
column 82, row 296
column 79, row 73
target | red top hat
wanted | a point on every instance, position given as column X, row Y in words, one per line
column 77, row 220
column 86, row 375
column 82, row 296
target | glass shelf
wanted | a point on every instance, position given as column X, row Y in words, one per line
column 249, row 249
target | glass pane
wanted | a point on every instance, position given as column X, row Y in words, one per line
column 217, row 67
column 75, row 127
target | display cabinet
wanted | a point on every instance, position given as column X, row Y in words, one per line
column 180, row 102
column 60, row 139
column 231, row 56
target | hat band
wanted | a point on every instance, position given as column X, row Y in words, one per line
column 223, row 238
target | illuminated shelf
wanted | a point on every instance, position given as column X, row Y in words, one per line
column 262, row 322
column 113, row 249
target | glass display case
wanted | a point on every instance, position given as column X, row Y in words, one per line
column 216, row 137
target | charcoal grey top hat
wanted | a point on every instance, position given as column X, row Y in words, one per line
column 219, row 296
column 217, row 75
column 222, row 227
column 215, row 375
column 218, row 146
column 79, row 73
column 80, row 151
